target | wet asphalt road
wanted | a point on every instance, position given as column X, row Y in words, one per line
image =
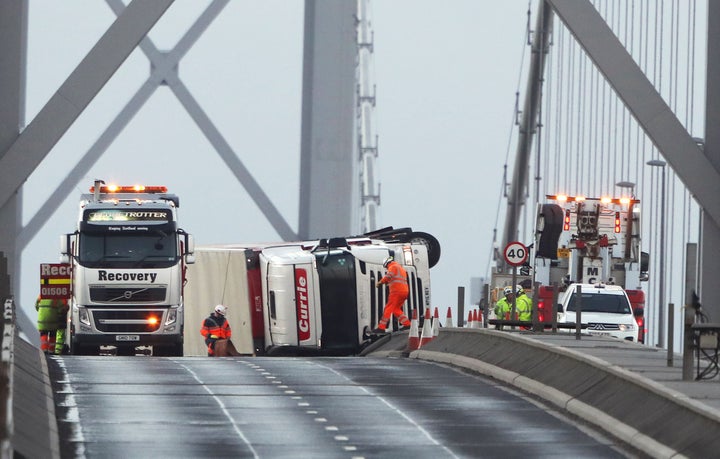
column 329, row 407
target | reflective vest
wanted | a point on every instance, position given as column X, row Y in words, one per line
column 523, row 307
column 215, row 327
column 51, row 314
column 396, row 278
column 503, row 308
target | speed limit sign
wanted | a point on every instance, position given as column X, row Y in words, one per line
column 516, row 253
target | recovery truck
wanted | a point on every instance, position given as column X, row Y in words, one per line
column 596, row 241
column 128, row 259
column 315, row 296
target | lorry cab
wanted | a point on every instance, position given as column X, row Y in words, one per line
column 604, row 309
column 323, row 297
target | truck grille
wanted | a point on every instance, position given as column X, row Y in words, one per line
column 127, row 321
column 599, row 326
column 127, row 295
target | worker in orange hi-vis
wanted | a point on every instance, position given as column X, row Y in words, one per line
column 396, row 279
column 215, row 327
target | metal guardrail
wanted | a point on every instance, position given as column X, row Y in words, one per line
column 6, row 379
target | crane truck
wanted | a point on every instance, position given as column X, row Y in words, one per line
column 591, row 242
column 129, row 259
column 315, row 296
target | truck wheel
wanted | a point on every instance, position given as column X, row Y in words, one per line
column 177, row 350
column 431, row 243
column 84, row 349
column 124, row 351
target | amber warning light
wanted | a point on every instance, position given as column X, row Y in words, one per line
column 130, row 189
column 566, row 221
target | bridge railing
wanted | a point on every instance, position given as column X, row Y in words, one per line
column 6, row 378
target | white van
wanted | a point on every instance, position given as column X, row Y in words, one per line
column 605, row 310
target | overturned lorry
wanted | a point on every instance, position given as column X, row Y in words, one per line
column 315, row 296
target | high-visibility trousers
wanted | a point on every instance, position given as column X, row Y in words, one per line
column 47, row 341
column 60, row 341
column 393, row 307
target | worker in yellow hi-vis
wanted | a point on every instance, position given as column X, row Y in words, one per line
column 51, row 318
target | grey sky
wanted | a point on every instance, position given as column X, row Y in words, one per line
column 446, row 76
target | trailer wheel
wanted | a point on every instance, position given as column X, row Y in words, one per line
column 431, row 243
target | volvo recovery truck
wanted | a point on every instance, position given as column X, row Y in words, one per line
column 129, row 259
column 591, row 241
column 315, row 296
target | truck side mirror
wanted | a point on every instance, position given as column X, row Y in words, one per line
column 64, row 248
column 190, row 258
column 190, row 244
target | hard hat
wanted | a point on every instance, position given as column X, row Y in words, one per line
column 507, row 291
column 519, row 290
column 387, row 261
column 220, row 309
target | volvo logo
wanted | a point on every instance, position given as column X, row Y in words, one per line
column 127, row 294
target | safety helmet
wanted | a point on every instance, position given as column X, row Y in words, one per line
column 507, row 291
column 519, row 290
column 220, row 309
column 387, row 261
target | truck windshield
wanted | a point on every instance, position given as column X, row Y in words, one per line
column 153, row 249
column 593, row 302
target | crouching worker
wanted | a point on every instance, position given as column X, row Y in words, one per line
column 215, row 327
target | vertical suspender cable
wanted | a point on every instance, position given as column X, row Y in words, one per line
column 580, row 151
column 623, row 145
column 566, row 133
column 670, row 199
column 603, row 126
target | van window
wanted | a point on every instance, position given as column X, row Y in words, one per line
column 593, row 302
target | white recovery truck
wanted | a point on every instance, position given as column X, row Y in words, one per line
column 591, row 242
column 129, row 259
column 306, row 297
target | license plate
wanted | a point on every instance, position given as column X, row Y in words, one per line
column 127, row 338
column 600, row 333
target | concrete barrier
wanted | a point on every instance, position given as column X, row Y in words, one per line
column 29, row 426
column 645, row 414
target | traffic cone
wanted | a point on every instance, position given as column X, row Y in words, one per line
column 469, row 323
column 475, row 318
column 413, row 334
column 436, row 324
column 448, row 320
column 427, row 334
column 480, row 319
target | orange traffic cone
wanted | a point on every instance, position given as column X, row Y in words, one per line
column 469, row 323
column 436, row 324
column 448, row 319
column 427, row 335
column 413, row 334
column 480, row 319
column 477, row 317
